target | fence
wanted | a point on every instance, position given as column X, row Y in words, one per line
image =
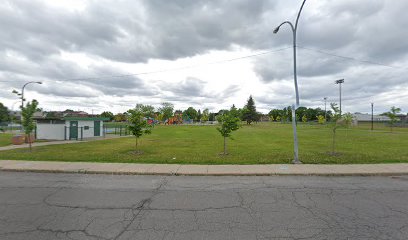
column 121, row 130
column 10, row 127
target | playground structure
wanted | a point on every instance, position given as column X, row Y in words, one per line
column 176, row 119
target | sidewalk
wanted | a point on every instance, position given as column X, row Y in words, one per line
column 204, row 170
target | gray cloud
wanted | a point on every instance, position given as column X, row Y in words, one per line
column 35, row 34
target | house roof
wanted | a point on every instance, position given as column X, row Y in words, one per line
column 86, row 118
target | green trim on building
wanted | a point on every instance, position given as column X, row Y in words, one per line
column 85, row 119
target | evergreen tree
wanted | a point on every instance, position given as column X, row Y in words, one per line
column 249, row 112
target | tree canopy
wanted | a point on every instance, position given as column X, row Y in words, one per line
column 4, row 114
column 27, row 114
column 138, row 125
column 167, row 110
column 229, row 122
column 190, row 113
column 108, row 114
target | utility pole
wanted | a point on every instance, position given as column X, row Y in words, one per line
column 372, row 116
column 325, row 112
column 340, row 81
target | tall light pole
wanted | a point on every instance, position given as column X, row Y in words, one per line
column 325, row 112
column 22, row 96
column 22, row 92
column 372, row 116
column 294, row 106
column 340, row 81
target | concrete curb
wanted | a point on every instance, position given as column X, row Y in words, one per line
column 204, row 170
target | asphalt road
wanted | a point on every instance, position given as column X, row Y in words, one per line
column 76, row 206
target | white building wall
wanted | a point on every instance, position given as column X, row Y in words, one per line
column 87, row 133
column 50, row 131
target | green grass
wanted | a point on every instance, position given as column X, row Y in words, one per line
column 255, row 144
column 5, row 139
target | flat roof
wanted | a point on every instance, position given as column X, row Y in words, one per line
column 85, row 118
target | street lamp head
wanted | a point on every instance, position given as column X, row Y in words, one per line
column 339, row 81
column 39, row 82
column 276, row 30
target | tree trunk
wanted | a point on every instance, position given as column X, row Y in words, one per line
column 136, row 144
column 29, row 141
column 334, row 140
column 225, row 146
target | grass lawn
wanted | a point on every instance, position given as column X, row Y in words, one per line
column 5, row 139
column 255, row 144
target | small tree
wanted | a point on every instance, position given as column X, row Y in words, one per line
column 27, row 113
column 337, row 119
column 392, row 114
column 229, row 122
column 138, row 124
column 348, row 119
column 304, row 119
column 206, row 115
column 320, row 119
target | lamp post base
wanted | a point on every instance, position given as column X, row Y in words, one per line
column 296, row 162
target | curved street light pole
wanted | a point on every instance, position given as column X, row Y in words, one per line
column 294, row 106
column 22, row 97
column 22, row 92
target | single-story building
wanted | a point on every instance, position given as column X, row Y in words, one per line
column 365, row 117
column 68, row 128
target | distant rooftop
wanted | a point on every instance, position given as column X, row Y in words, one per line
column 365, row 117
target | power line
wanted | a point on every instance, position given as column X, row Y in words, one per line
column 350, row 58
column 180, row 68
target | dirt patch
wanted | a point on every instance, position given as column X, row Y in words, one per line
column 136, row 153
column 334, row 154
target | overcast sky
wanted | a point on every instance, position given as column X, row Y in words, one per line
column 102, row 55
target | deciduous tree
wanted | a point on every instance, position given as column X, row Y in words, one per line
column 206, row 115
column 138, row 125
column 229, row 122
column 4, row 113
column 167, row 109
column 392, row 114
column 190, row 113
column 108, row 114
column 27, row 113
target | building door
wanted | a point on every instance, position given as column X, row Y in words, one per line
column 97, row 128
column 73, row 130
